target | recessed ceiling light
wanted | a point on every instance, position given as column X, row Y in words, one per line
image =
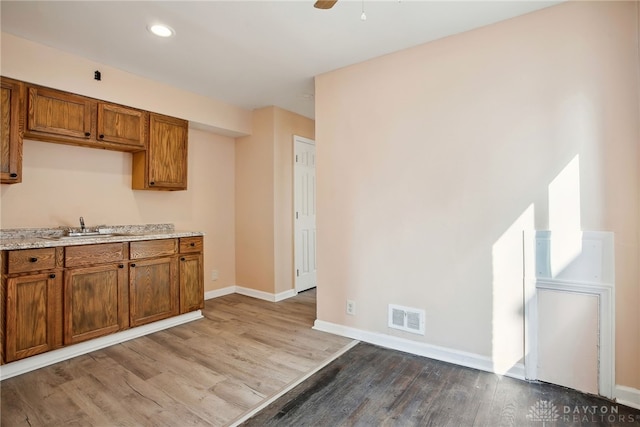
column 161, row 30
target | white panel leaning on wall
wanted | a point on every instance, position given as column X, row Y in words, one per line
column 574, row 266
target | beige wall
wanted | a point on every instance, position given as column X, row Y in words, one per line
column 254, row 204
column 61, row 182
column 431, row 161
column 264, row 200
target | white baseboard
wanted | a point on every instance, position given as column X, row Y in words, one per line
column 266, row 296
column 462, row 358
column 45, row 359
column 627, row 396
column 216, row 293
column 286, row 294
column 516, row 371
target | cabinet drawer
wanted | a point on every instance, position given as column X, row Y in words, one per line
column 153, row 248
column 26, row 260
column 190, row 244
column 94, row 254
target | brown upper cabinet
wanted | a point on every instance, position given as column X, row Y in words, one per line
column 57, row 116
column 163, row 166
column 122, row 125
column 158, row 143
column 11, row 130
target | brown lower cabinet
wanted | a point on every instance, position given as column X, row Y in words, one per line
column 153, row 290
column 191, row 272
column 52, row 297
column 95, row 302
column 33, row 314
column 191, row 295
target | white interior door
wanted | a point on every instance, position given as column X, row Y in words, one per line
column 304, row 205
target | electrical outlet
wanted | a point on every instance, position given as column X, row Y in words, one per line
column 351, row 307
column 214, row 274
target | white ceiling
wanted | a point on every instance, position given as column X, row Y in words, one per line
column 247, row 53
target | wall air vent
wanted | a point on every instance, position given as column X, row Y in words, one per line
column 406, row 319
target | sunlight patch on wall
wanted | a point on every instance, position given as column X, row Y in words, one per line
column 508, row 310
column 564, row 217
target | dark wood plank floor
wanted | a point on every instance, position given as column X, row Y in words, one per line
column 373, row 386
column 209, row 372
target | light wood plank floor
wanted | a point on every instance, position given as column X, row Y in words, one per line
column 207, row 372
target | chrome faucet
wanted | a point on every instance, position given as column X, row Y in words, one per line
column 82, row 227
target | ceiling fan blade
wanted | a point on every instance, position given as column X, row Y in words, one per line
column 324, row 4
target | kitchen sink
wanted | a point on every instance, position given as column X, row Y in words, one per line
column 89, row 234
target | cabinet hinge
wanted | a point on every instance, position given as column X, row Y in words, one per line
column 296, row 158
column 296, row 215
column 297, row 272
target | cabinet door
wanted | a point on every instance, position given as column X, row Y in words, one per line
column 11, row 130
column 122, row 125
column 164, row 165
column 95, row 302
column 34, row 314
column 191, row 283
column 59, row 116
column 153, row 290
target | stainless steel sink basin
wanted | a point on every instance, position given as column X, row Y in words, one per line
column 75, row 236
column 88, row 234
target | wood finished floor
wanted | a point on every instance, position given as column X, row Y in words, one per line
column 373, row 386
column 207, row 372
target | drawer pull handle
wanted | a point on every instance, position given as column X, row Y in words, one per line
column 33, row 259
column 101, row 136
column 87, row 134
column 13, row 175
column 52, row 276
column 133, row 265
column 192, row 244
column 152, row 183
column 182, row 259
column 121, row 266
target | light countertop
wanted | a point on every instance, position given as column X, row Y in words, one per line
column 30, row 238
